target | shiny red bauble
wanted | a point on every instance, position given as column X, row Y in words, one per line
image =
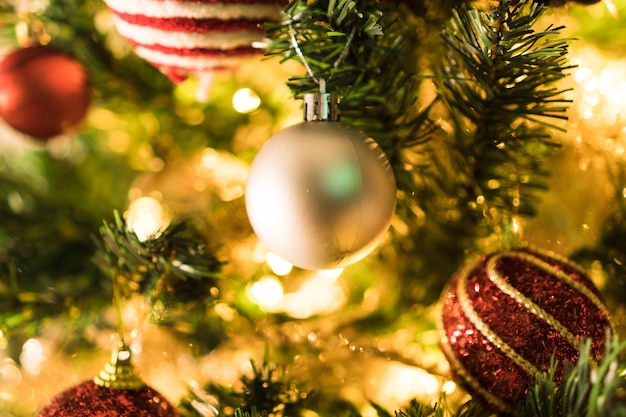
column 43, row 92
column 504, row 316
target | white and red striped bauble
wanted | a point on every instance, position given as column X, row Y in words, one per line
column 193, row 37
column 505, row 314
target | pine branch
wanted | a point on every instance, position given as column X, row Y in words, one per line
column 173, row 265
column 360, row 50
column 271, row 392
column 266, row 393
column 130, row 77
column 441, row 409
column 326, row 36
column 585, row 390
column 498, row 82
column 45, row 245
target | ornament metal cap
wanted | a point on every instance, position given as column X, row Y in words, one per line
column 119, row 372
column 321, row 107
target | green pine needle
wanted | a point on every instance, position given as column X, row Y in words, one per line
column 267, row 392
column 498, row 80
column 360, row 50
column 586, row 389
column 172, row 263
column 326, row 37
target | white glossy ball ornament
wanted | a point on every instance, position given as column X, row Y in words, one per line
column 320, row 194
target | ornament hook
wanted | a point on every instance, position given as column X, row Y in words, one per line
column 119, row 372
column 321, row 107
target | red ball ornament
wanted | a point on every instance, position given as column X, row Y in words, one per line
column 116, row 392
column 91, row 400
column 193, row 37
column 505, row 314
column 43, row 92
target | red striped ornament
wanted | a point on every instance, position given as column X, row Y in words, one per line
column 505, row 314
column 193, row 37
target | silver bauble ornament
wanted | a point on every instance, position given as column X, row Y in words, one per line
column 320, row 194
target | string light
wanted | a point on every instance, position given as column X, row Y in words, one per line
column 319, row 294
column 267, row 293
column 331, row 273
column 147, row 218
column 278, row 265
column 32, row 356
column 396, row 383
column 246, row 100
column 597, row 122
column 600, row 94
column 222, row 173
column 10, row 372
column 259, row 254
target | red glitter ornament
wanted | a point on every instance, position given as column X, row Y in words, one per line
column 116, row 392
column 91, row 400
column 505, row 314
column 43, row 92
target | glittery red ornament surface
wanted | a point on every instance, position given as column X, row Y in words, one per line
column 43, row 92
column 91, row 400
column 504, row 315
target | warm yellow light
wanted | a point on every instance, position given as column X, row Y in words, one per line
column 583, row 75
column 32, row 356
column 222, row 173
column 267, row 293
column 516, row 225
column 259, row 254
column 246, row 101
column 396, row 383
column 205, row 82
column 9, row 372
column 585, row 110
column 319, row 294
column 225, row 312
column 331, row 273
column 147, row 218
column 610, row 6
column 599, row 93
column 448, row 387
column 279, row 265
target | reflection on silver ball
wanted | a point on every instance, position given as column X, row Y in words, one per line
column 321, row 194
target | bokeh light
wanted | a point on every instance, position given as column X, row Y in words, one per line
column 147, row 218
column 246, row 100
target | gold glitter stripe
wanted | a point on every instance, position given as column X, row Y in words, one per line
column 457, row 365
column 471, row 381
column 512, row 292
column 484, row 329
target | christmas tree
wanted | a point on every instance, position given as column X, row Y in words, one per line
column 314, row 208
